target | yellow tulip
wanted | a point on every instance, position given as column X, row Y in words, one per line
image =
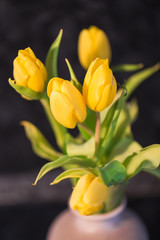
column 66, row 102
column 99, row 87
column 88, row 195
column 29, row 71
column 93, row 43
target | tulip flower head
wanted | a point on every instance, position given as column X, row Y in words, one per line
column 88, row 195
column 93, row 43
column 29, row 71
column 66, row 102
column 99, row 87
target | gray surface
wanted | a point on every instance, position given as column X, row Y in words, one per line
column 18, row 189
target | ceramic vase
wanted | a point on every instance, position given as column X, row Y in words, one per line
column 121, row 223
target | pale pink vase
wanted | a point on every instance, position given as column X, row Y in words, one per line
column 119, row 224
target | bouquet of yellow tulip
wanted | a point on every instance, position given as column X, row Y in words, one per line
column 104, row 156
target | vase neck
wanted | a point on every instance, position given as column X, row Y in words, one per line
column 115, row 213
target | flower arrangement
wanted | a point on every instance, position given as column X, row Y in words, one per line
column 104, row 156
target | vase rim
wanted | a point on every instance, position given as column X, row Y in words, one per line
column 104, row 216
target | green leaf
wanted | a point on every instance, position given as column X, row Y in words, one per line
column 103, row 114
column 132, row 107
column 85, row 131
column 155, row 172
column 135, row 80
column 127, row 67
column 72, row 173
column 90, row 120
column 85, row 149
column 58, row 129
column 26, row 92
column 122, row 129
column 87, row 128
column 40, row 145
column 107, row 121
column 147, row 158
column 123, row 149
column 51, row 60
column 62, row 161
column 106, row 142
column 74, row 80
column 113, row 173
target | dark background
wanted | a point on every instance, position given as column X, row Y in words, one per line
column 133, row 29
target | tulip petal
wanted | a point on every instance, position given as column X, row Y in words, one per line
column 76, row 100
column 101, row 77
column 100, row 41
column 62, row 109
column 113, row 91
column 42, row 69
column 28, row 63
column 85, row 47
column 92, row 68
column 96, row 193
column 20, row 73
column 108, row 95
column 36, row 83
column 54, row 84
column 79, row 190
column 28, row 51
column 104, row 99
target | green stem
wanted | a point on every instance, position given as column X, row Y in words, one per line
column 97, row 129
column 115, row 196
column 58, row 129
column 82, row 125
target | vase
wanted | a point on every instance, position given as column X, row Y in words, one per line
column 121, row 223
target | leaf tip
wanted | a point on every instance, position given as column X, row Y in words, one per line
column 52, row 183
column 11, row 81
column 141, row 65
column 23, row 123
column 158, row 65
column 61, row 31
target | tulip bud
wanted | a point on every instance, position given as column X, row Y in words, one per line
column 88, row 195
column 99, row 87
column 29, row 71
column 93, row 43
column 66, row 102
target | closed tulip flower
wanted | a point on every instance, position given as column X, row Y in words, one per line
column 66, row 102
column 29, row 71
column 88, row 195
column 99, row 87
column 93, row 43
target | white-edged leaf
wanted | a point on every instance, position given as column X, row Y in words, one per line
column 73, row 173
column 147, row 158
column 133, row 109
column 155, row 172
column 126, row 147
column 40, row 144
column 62, row 161
column 86, row 149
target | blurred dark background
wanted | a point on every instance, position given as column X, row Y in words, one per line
column 133, row 28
